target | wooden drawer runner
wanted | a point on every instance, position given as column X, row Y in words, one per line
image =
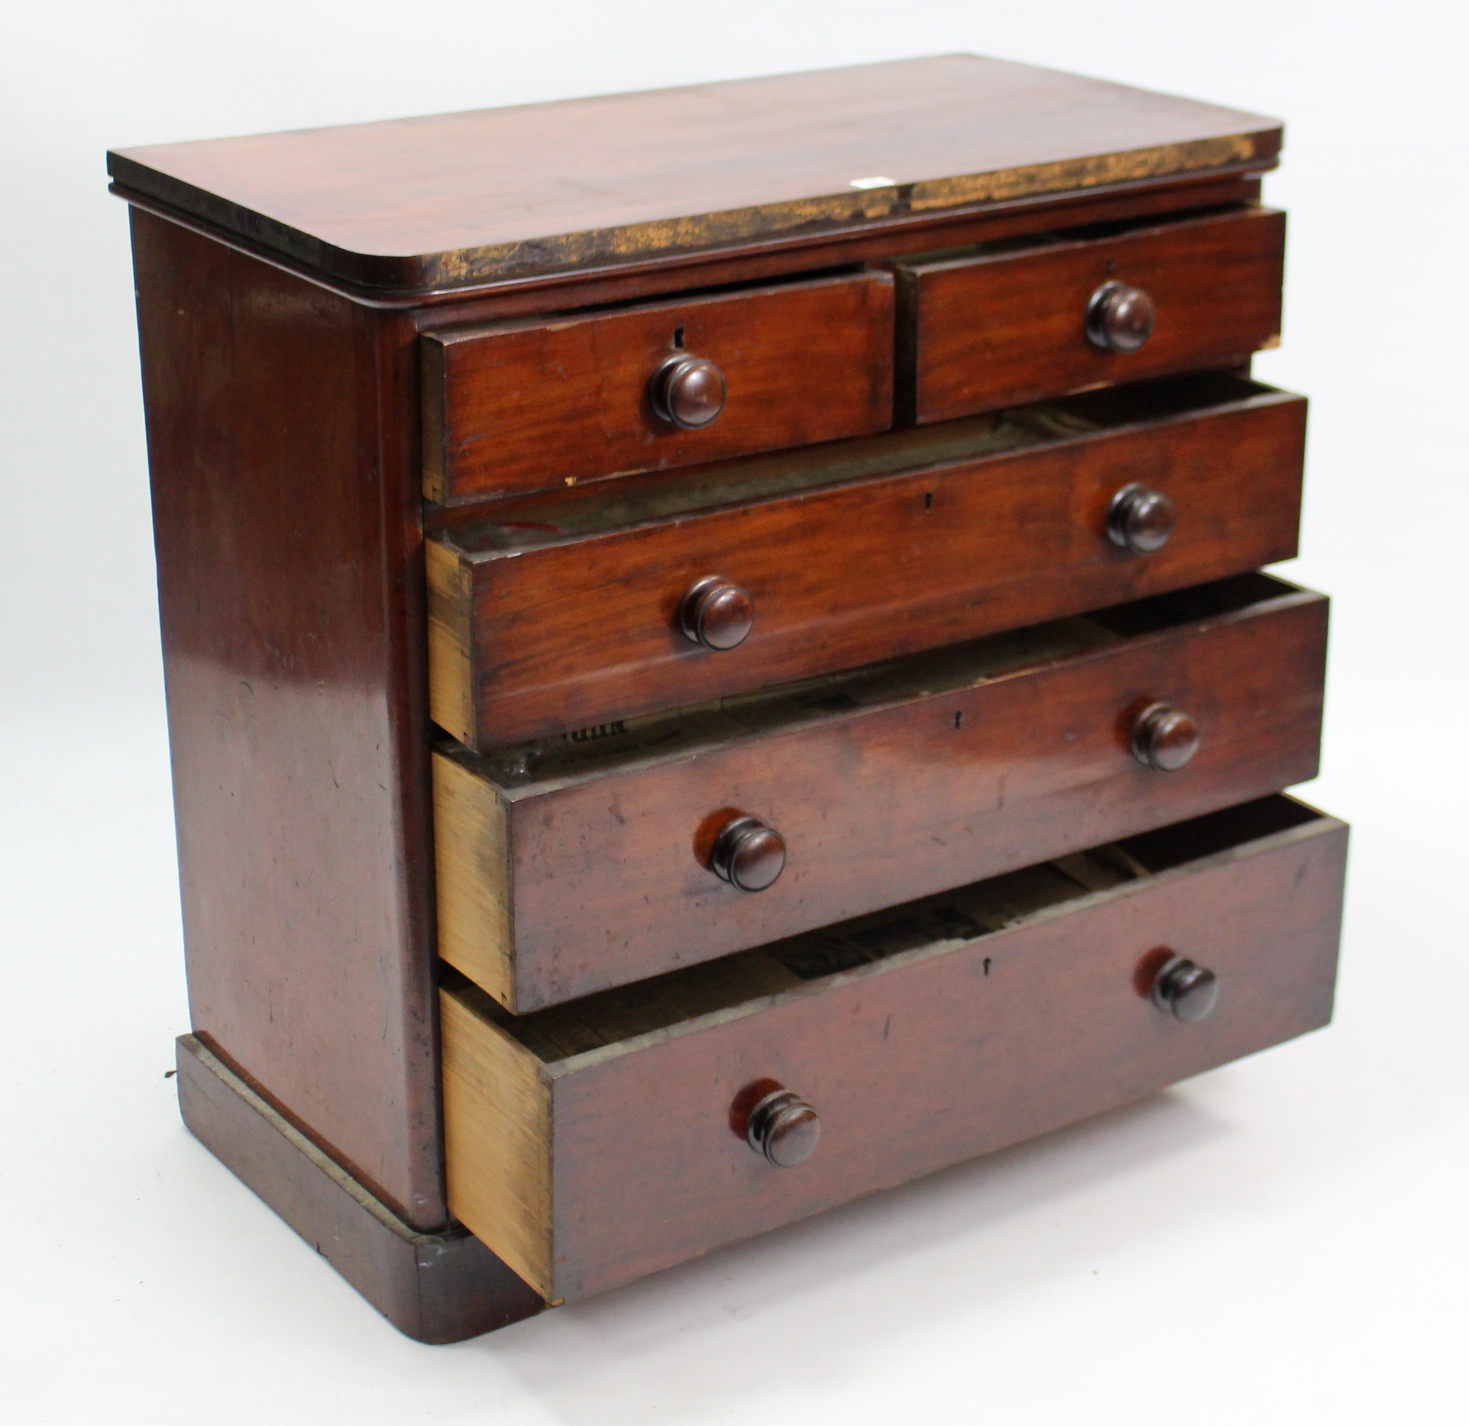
column 571, row 866
column 558, row 614
column 596, row 1142
column 1007, row 323
column 540, row 404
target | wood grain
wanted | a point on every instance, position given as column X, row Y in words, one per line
column 290, row 589
column 754, row 260
column 958, row 1026
column 891, row 782
column 998, row 328
column 852, row 552
column 288, row 420
column 498, row 193
column 497, row 1113
column 543, row 404
column 472, row 848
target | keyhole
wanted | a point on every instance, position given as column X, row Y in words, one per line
column 986, row 965
column 928, row 501
column 958, row 719
column 678, row 339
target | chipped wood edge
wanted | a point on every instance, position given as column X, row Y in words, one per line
column 565, row 252
column 472, row 867
column 559, row 254
column 497, row 1139
column 450, row 641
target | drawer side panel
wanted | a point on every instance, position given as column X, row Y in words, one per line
column 497, row 1142
column 472, row 862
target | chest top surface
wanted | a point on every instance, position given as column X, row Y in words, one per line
column 459, row 199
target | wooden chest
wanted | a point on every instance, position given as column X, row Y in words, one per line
column 717, row 659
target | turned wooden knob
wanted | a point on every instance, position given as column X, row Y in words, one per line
column 687, row 392
column 1119, row 318
column 1140, row 519
column 1163, row 738
column 748, row 854
column 716, row 613
column 1190, row 991
column 784, row 1128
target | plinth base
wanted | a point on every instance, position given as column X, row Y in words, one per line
column 434, row 1287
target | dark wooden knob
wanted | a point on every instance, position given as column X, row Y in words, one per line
column 1140, row 519
column 784, row 1128
column 1163, row 738
column 687, row 392
column 1119, row 318
column 1190, row 991
column 748, row 854
column 716, row 613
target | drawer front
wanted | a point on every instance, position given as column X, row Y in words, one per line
column 568, row 885
column 984, row 332
column 585, row 630
column 586, row 1172
column 538, row 405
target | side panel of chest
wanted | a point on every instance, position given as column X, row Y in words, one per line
column 290, row 589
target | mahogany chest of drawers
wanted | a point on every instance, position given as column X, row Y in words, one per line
column 716, row 653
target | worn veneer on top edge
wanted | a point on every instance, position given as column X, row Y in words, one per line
column 458, row 198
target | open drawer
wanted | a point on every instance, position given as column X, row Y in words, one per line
column 601, row 1140
column 1028, row 318
column 542, row 402
column 557, row 614
column 572, row 865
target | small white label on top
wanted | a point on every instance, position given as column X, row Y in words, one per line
column 878, row 181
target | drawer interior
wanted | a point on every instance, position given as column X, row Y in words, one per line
column 741, row 983
column 658, row 737
column 630, row 501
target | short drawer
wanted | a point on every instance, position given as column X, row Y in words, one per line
column 544, row 403
column 577, row 864
column 596, row 1142
column 1024, row 320
column 551, row 615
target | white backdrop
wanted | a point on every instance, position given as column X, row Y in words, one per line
column 1280, row 1241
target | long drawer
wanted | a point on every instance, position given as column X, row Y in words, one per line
column 595, row 1142
column 560, row 614
column 1026, row 319
column 582, row 863
column 545, row 402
